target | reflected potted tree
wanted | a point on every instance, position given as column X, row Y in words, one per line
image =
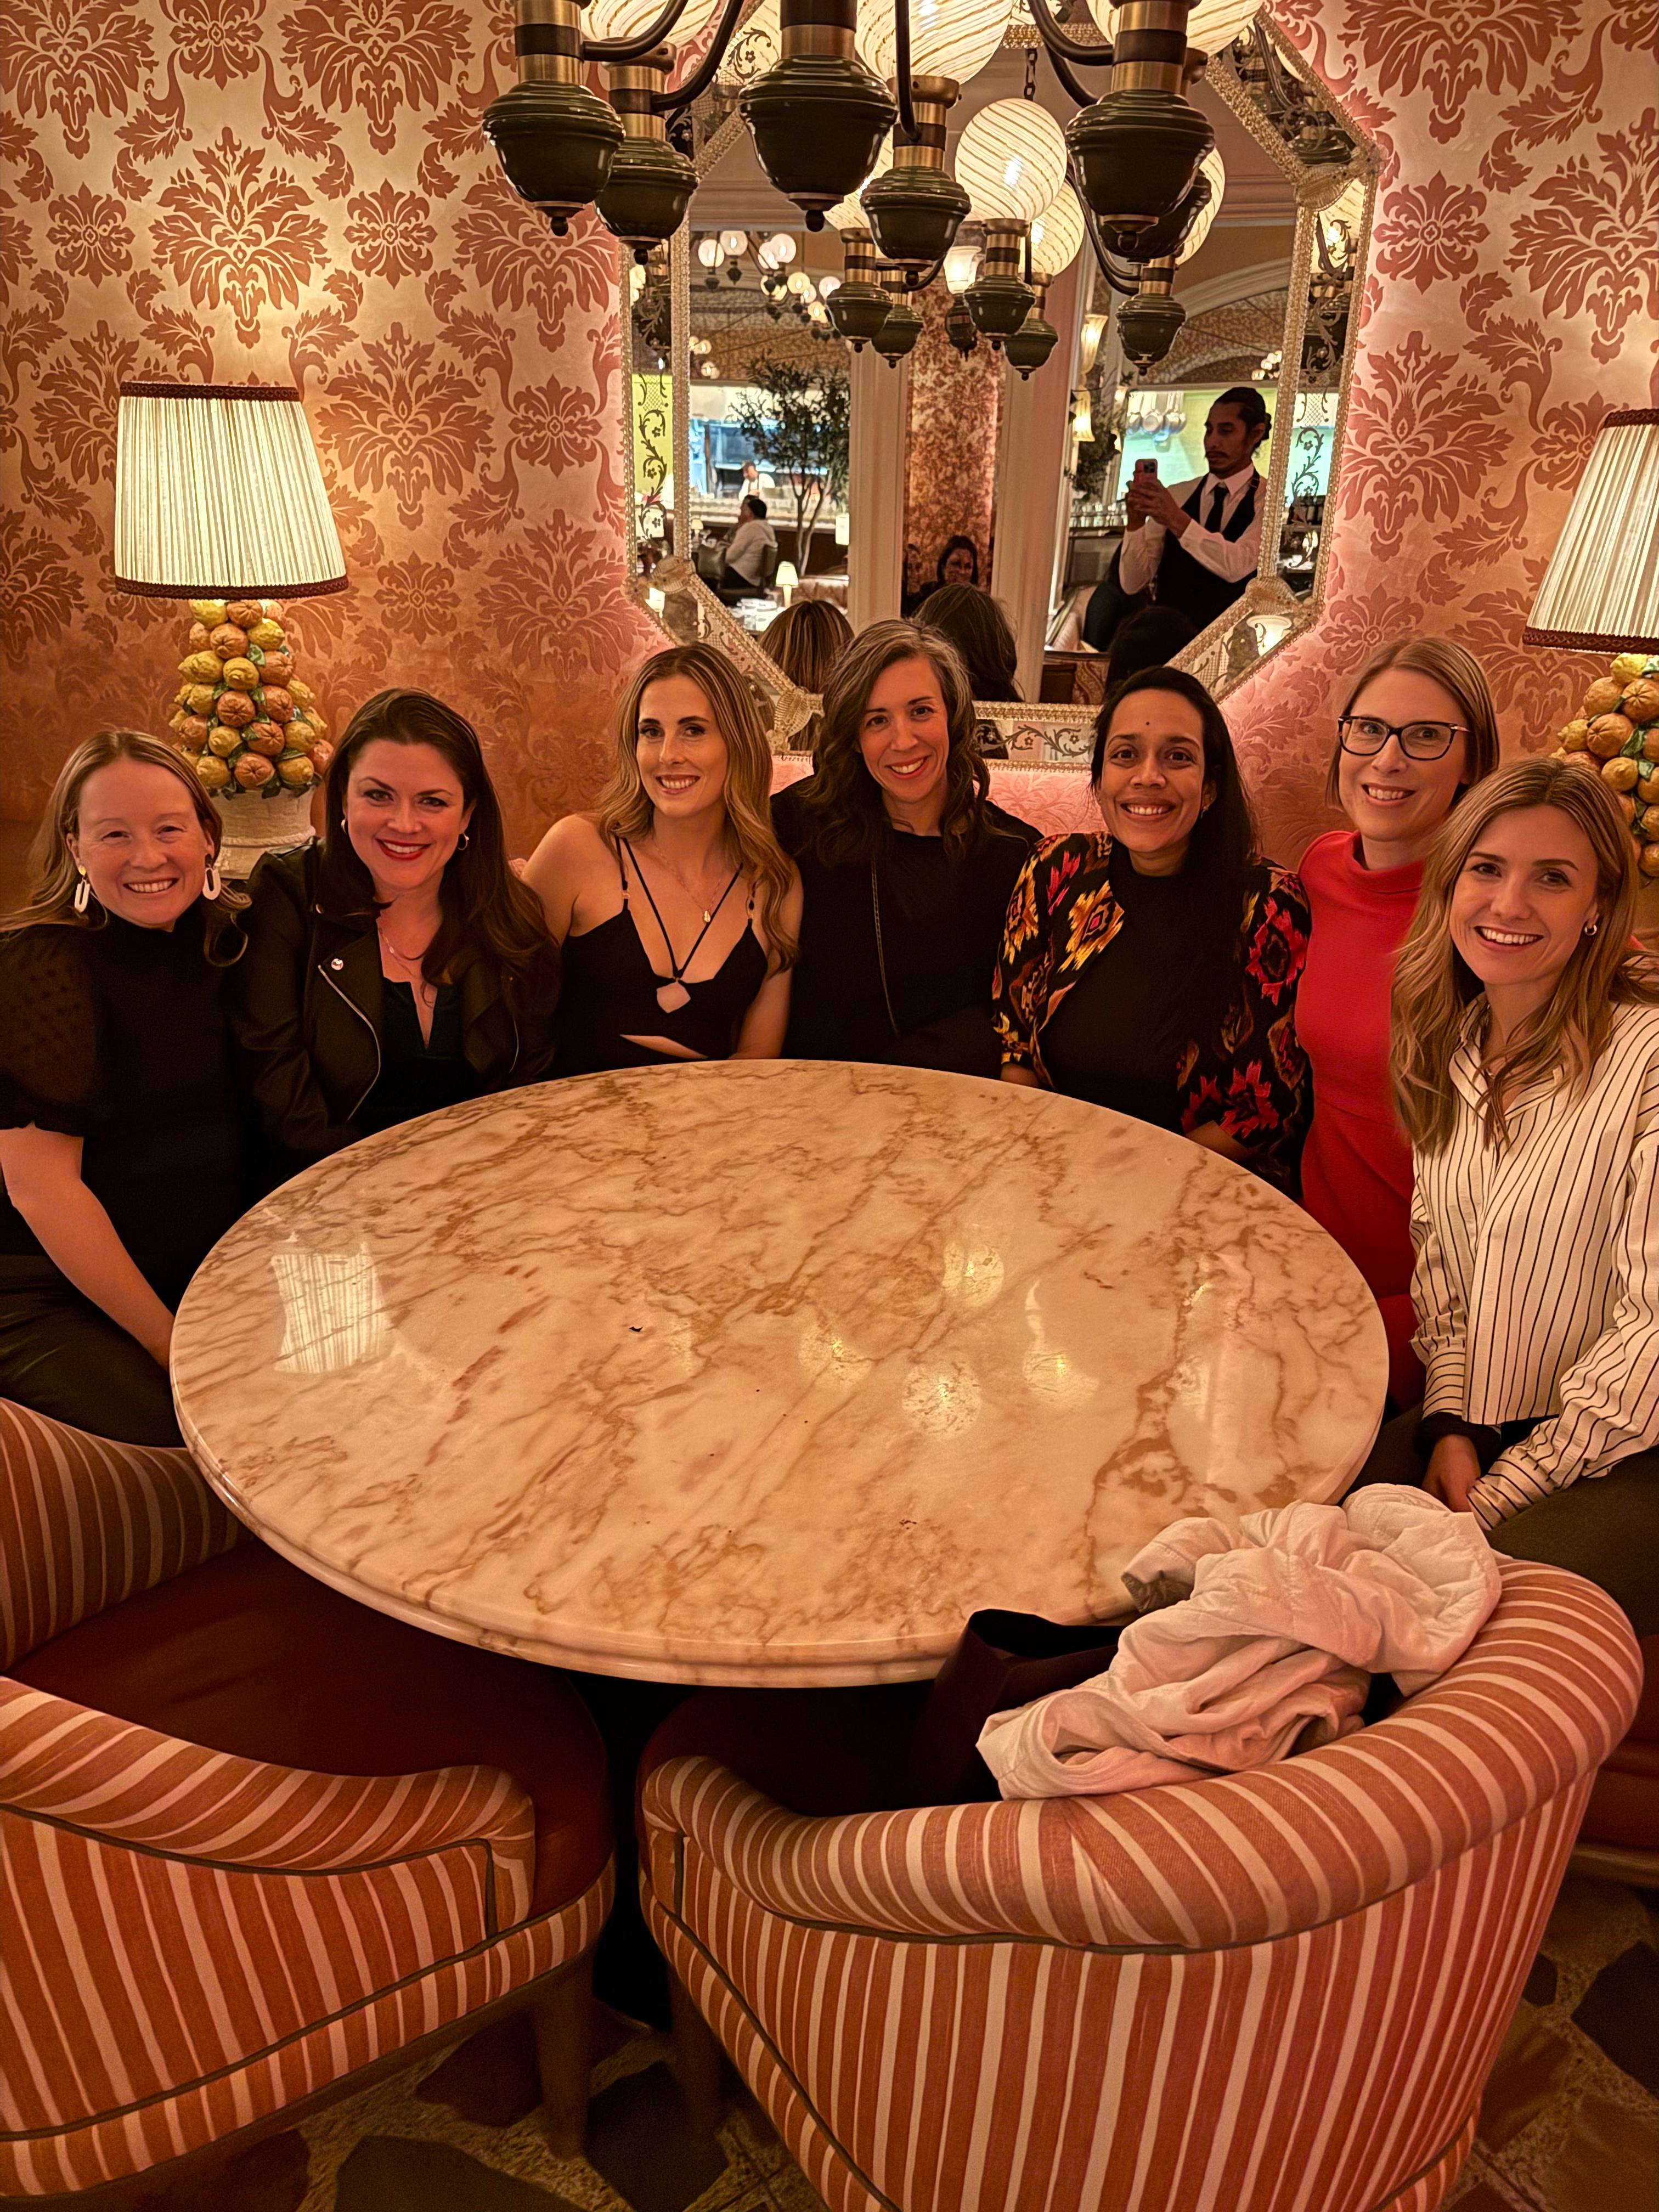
column 797, row 420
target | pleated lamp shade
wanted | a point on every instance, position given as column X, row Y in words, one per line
column 1601, row 590
column 218, row 494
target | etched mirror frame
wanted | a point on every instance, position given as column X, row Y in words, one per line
column 1263, row 83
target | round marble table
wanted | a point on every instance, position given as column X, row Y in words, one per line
column 765, row 1372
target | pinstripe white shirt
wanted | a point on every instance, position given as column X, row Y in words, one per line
column 1537, row 1278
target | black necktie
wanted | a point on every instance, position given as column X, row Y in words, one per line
column 1218, row 500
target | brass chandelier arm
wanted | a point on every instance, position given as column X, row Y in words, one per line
column 676, row 102
column 1062, row 47
column 642, row 42
column 906, row 131
column 1072, row 86
column 1127, row 286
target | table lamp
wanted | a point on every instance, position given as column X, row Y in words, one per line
column 219, row 500
column 1601, row 590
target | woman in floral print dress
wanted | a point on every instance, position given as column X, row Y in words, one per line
column 1152, row 967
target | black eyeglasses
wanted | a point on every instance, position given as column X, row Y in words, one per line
column 1426, row 741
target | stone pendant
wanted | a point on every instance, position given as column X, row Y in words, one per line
column 671, row 996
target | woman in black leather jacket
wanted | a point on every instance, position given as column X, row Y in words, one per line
column 397, row 966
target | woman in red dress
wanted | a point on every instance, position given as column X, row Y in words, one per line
column 1418, row 730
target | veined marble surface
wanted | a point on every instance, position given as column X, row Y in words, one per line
column 765, row 1371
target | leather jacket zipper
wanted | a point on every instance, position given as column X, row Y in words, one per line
column 367, row 1023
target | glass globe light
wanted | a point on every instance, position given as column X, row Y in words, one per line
column 1213, row 24
column 626, row 19
column 827, row 285
column 847, row 215
column 708, row 369
column 709, row 251
column 733, row 243
column 1215, row 169
column 1012, row 160
column 783, row 247
column 1057, row 235
column 798, row 282
column 948, row 38
column 961, row 267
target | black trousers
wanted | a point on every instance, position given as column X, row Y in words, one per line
column 62, row 1356
column 1606, row 1527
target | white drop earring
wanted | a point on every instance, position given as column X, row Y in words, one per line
column 211, row 886
column 82, row 898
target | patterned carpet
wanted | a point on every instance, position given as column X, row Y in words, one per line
column 1570, row 2122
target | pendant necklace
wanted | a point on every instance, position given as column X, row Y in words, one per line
column 673, row 994
column 425, row 992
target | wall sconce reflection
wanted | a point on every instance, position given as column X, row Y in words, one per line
column 826, row 1356
column 1051, row 1373
column 333, row 1313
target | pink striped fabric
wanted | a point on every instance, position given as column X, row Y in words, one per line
column 1277, row 1992
column 190, row 1940
column 85, row 1522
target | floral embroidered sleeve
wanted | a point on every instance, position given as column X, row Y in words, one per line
column 1061, row 905
column 1252, row 1079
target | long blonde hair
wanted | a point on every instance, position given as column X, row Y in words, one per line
column 1434, row 986
column 626, row 810
column 53, row 874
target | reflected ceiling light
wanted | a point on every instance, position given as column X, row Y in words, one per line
column 798, row 282
column 827, row 285
column 961, row 267
column 708, row 369
column 709, row 251
column 1213, row 24
column 783, row 247
column 1094, row 328
column 1057, row 236
column 1011, row 159
column 734, row 242
column 948, row 38
column 1082, row 418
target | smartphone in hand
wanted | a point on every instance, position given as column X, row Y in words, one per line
column 1146, row 468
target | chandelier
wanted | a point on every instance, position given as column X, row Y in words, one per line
column 848, row 117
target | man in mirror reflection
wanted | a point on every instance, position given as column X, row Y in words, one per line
column 1197, row 544
column 750, row 553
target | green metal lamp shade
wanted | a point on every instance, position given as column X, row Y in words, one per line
column 818, row 121
column 1136, row 154
column 555, row 142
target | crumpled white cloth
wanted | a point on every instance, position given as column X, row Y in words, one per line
column 1288, row 1614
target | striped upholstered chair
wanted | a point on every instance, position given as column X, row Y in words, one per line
column 197, row 1946
column 1277, row 1992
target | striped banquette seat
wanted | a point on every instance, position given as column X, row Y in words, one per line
column 1274, row 1992
column 257, row 1843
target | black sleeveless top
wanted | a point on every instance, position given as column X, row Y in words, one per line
column 609, row 995
column 1182, row 582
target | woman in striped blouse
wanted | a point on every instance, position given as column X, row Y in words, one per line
column 1526, row 1067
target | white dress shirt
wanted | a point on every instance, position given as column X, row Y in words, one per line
column 1231, row 560
column 1537, row 1280
column 744, row 546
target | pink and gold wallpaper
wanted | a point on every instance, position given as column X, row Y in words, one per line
column 240, row 188
column 1513, row 299
column 278, row 189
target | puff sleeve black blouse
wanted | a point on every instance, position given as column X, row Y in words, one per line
column 116, row 1035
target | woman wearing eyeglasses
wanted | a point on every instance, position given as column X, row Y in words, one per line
column 1418, row 730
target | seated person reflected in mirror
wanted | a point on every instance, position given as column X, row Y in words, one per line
column 751, row 552
column 905, row 865
column 676, row 909
column 1526, row 1068
column 1197, row 543
column 119, row 1131
column 397, row 965
column 976, row 625
column 1152, row 968
column 958, row 563
column 806, row 641
column 1150, row 638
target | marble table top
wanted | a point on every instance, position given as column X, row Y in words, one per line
column 768, row 1372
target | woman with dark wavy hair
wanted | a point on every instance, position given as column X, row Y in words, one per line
column 399, row 965
column 1151, row 966
column 905, row 865
column 119, row 1141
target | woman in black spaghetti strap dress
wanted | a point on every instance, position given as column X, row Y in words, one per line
column 676, row 908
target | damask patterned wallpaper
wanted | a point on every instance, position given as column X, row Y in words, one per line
column 951, row 478
column 297, row 189
column 265, row 188
column 1513, row 300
